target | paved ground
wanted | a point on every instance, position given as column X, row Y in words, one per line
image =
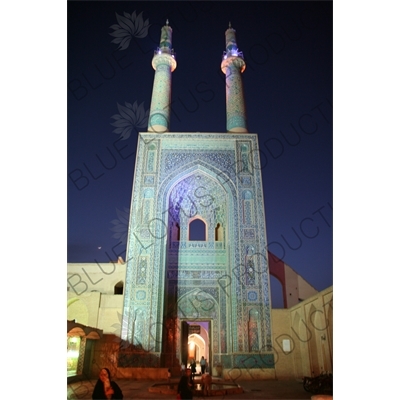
column 267, row 389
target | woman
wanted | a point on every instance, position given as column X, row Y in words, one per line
column 186, row 386
column 105, row 388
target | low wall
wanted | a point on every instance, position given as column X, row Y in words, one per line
column 155, row 374
column 247, row 374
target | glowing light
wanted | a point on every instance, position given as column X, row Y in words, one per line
column 72, row 353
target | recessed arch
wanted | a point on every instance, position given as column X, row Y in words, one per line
column 219, row 233
column 119, row 288
column 148, row 193
column 185, row 195
column 247, row 195
column 195, row 341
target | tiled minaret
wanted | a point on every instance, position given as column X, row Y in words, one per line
column 164, row 64
column 232, row 66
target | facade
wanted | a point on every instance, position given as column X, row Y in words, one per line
column 185, row 183
column 302, row 335
column 196, row 282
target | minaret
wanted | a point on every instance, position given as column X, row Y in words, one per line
column 164, row 64
column 232, row 66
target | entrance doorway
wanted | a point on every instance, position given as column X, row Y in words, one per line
column 196, row 342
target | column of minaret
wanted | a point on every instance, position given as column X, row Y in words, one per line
column 164, row 64
column 232, row 66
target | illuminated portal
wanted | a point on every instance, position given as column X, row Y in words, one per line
column 73, row 345
column 183, row 183
column 196, row 338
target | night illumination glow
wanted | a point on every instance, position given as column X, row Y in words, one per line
column 73, row 344
column 72, row 353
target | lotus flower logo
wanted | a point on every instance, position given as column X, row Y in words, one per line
column 129, row 117
column 129, row 25
column 121, row 225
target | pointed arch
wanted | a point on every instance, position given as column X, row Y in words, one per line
column 219, row 233
column 201, row 197
column 198, row 304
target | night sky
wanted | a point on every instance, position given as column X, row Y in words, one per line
column 288, row 92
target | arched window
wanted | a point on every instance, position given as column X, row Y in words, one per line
column 119, row 288
column 197, row 230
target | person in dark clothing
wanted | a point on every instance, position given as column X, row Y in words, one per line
column 190, row 377
column 185, row 386
column 193, row 367
column 105, row 388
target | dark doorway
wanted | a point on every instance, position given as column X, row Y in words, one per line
column 184, row 342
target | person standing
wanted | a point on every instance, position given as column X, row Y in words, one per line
column 203, row 365
column 193, row 367
column 186, row 386
column 206, row 384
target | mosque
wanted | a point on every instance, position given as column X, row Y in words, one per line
column 196, row 281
